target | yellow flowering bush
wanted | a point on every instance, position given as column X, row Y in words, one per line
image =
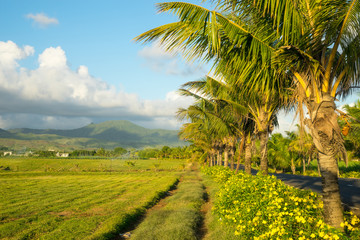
column 219, row 173
column 263, row 207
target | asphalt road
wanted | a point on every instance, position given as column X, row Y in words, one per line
column 349, row 187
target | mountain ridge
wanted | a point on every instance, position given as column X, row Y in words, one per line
column 106, row 134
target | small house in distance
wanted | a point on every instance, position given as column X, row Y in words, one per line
column 58, row 154
column 7, row 154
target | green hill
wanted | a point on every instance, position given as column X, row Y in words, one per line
column 108, row 134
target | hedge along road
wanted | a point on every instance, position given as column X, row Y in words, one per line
column 349, row 187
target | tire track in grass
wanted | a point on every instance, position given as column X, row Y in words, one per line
column 205, row 208
column 179, row 216
column 134, row 223
column 214, row 228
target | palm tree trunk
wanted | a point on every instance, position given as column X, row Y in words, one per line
column 248, row 155
column 212, row 159
column 333, row 210
column 219, row 158
column 241, row 148
column 226, row 158
column 304, row 165
column 232, row 155
column 318, row 164
column 293, row 169
column 327, row 138
column 263, row 135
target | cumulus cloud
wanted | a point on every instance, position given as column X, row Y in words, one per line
column 10, row 53
column 52, row 58
column 160, row 60
column 42, row 20
column 53, row 95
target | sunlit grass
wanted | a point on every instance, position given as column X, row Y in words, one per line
column 70, row 204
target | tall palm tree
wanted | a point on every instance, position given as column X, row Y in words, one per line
column 320, row 50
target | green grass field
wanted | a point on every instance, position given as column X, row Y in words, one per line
column 78, row 199
column 87, row 165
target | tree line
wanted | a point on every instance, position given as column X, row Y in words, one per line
column 267, row 56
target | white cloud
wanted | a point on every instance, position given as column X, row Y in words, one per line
column 160, row 60
column 42, row 20
column 53, row 58
column 54, row 95
column 10, row 53
column 155, row 51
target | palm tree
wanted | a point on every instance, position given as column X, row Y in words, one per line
column 239, row 114
column 302, row 145
column 250, row 116
column 207, row 128
column 320, row 49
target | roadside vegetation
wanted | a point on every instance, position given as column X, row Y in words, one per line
column 262, row 207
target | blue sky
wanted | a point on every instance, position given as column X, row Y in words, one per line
column 66, row 63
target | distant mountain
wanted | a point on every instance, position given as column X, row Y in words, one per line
column 5, row 134
column 108, row 134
